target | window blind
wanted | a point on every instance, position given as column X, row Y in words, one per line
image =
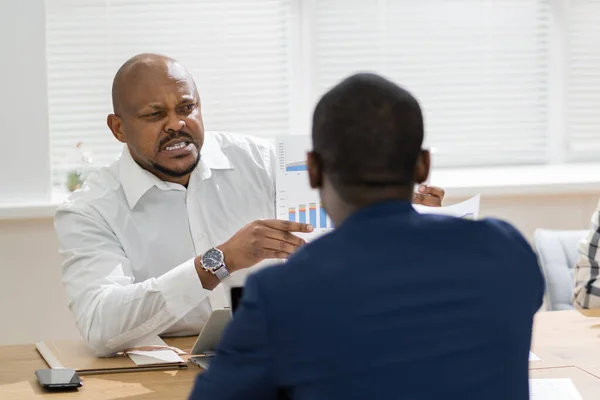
column 237, row 51
column 479, row 68
column 583, row 79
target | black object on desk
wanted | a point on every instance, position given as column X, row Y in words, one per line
column 58, row 379
column 236, row 295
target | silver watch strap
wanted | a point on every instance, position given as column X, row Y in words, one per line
column 222, row 272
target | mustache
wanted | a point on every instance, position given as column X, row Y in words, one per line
column 176, row 135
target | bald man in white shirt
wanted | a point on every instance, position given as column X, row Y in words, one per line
column 148, row 240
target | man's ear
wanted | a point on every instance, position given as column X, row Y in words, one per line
column 315, row 169
column 115, row 124
column 422, row 167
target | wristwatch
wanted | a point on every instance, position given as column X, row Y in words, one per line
column 213, row 261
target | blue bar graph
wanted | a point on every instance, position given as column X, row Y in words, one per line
column 302, row 214
column 312, row 214
column 296, row 166
column 315, row 215
column 322, row 217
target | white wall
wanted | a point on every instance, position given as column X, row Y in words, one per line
column 33, row 304
column 528, row 213
column 24, row 156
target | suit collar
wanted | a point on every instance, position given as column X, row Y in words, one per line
column 379, row 209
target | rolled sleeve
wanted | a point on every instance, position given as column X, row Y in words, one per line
column 182, row 289
column 111, row 309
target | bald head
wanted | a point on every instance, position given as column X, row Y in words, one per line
column 141, row 71
column 157, row 113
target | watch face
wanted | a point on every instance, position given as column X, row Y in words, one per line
column 212, row 259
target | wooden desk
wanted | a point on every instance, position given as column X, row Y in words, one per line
column 17, row 364
column 566, row 339
column 587, row 384
column 567, row 342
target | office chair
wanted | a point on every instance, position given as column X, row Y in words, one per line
column 557, row 255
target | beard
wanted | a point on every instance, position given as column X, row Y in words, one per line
column 176, row 173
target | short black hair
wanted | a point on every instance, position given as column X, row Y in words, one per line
column 368, row 132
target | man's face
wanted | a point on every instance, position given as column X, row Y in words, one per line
column 161, row 122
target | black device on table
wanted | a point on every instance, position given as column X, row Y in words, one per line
column 236, row 295
column 58, row 379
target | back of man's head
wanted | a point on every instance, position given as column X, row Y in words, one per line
column 368, row 134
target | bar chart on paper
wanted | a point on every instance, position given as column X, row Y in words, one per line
column 296, row 166
column 296, row 200
column 313, row 214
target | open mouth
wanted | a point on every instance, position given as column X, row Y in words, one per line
column 177, row 146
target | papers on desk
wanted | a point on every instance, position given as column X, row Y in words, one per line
column 154, row 351
column 154, row 355
column 533, row 357
column 468, row 209
column 553, row 389
column 150, row 357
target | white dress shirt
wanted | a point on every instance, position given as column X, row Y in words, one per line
column 129, row 240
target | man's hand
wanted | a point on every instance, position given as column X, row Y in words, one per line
column 431, row 196
column 261, row 240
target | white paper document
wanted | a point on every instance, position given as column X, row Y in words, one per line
column 553, row 389
column 309, row 237
column 468, row 209
column 153, row 350
column 144, row 357
column 533, row 357
column 297, row 201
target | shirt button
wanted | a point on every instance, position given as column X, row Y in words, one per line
column 187, row 299
column 200, row 236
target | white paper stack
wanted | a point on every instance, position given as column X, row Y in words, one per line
column 468, row 209
column 553, row 389
column 144, row 357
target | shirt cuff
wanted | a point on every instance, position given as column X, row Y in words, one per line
column 182, row 289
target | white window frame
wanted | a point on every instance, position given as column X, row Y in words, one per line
column 557, row 124
column 302, row 65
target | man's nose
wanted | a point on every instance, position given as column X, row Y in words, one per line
column 174, row 123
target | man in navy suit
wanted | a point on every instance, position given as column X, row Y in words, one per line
column 392, row 304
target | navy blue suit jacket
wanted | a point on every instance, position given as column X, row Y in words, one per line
column 391, row 305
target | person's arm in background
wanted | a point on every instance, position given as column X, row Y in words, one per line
column 587, row 286
column 242, row 367
column 111, row 310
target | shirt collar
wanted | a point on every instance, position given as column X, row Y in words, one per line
column 136, row 181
